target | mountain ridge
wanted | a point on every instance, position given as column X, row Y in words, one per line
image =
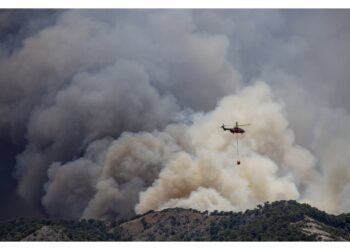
column 276, row 221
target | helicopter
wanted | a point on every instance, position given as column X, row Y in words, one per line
column 236, row 130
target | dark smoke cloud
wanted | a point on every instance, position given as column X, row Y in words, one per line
column 93, row 106
column 17, row 25
column 89, row 97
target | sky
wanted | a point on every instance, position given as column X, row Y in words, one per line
column 108, row 113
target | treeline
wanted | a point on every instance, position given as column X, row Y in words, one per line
column 82, row 230
column 277, row 221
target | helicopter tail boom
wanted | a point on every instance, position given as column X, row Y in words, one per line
column 224, row 128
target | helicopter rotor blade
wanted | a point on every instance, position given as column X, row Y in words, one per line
column 243, row 125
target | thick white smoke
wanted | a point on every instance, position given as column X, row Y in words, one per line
column 273, row 167
column 192, row 166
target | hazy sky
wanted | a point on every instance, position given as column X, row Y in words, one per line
column 107, row 113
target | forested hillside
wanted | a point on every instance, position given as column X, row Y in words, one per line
column 277, row 221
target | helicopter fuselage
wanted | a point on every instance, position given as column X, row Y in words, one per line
column 236, row 130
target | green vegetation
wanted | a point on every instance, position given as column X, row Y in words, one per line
column 15, row 230
column 270, row 223
column 83, row 230
column 277, row 221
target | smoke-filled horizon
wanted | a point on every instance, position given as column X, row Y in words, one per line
column 108, row 113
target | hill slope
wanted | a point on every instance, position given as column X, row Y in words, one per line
column 278, row 221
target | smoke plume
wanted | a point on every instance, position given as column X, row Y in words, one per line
column 190, row 166
column 108, row 113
